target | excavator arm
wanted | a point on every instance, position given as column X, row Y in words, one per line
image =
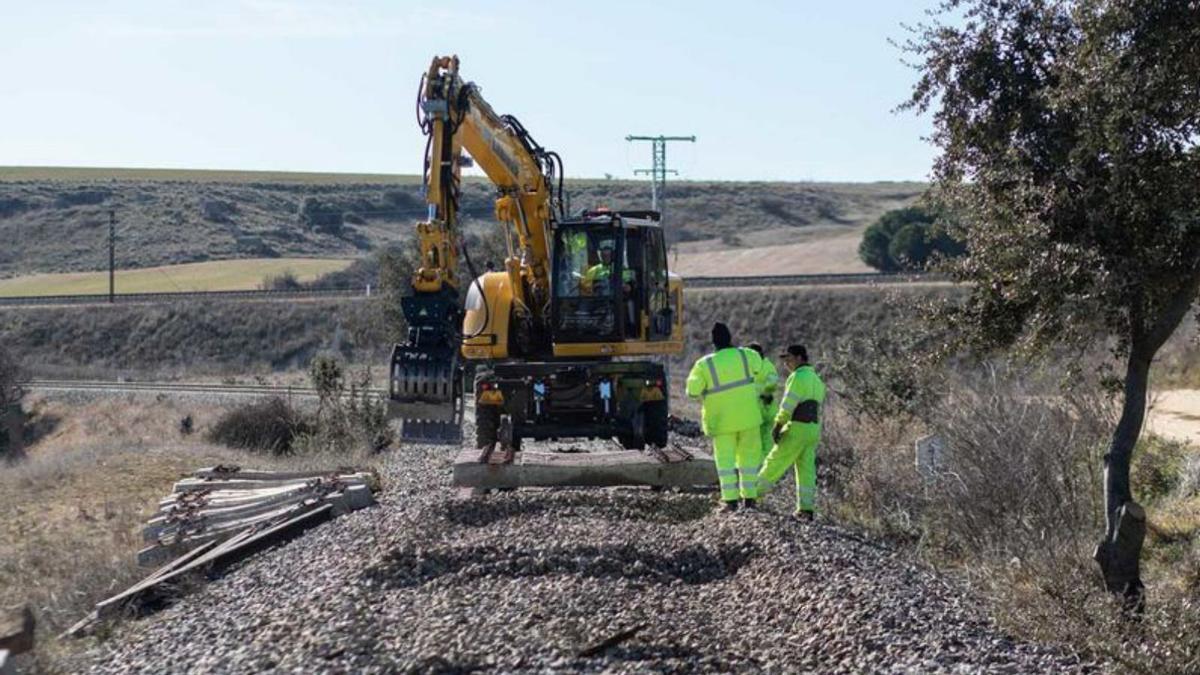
column 426, row 371
column 457, row 118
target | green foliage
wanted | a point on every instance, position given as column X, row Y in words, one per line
column 1069, row 154
column 328, row 378
column 1068, row 135
column 907, row 239
column 1158, row 467
column 881, row 375
column 349, row 417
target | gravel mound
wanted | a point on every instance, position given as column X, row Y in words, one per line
column 529, row 580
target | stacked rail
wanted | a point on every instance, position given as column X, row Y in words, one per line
column 222, row 515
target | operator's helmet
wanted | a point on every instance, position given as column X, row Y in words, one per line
column 606, row 245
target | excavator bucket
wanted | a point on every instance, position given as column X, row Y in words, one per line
column 427, row 396
column 425, row 383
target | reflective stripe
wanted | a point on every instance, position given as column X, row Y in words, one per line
column 790, row 401
column 717, row 387
column 726, row 472
column 712, row 371
column 732, row 385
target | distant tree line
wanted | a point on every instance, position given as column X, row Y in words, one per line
column 907, row 240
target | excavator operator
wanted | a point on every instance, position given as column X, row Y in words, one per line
column 602, row 272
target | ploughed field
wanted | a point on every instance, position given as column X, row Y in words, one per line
column 530, row 580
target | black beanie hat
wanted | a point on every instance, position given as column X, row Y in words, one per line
column 721, row 336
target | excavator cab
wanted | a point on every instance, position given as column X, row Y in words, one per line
column 610, row 279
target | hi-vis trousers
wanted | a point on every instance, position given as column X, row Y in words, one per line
column 734, row 453
column 797, row 447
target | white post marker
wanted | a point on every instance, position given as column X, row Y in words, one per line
column 930, row 455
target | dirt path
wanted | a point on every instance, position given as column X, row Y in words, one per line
column 1176, row 414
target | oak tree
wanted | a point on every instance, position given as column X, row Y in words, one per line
column 1068, row 135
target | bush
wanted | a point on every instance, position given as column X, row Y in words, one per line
column 349, row 417
column 1158, row 468
column 284, row 281
column 11, row 416
column 268, row 425
column 1019, row 477
column 1015, row 506
column 321, row 216
column 908, row 239
column 217, row 210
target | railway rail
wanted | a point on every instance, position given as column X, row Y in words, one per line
column 362, row 293
column 126, row 387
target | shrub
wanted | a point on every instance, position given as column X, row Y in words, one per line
column 349, row 418
column 11, row 417
column 1158, row 467
column 321, row 216
column 217, row 210
column 1018, row 476
column 284, row 281
column 269, row 425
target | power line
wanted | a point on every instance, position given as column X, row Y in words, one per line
column 658, row 169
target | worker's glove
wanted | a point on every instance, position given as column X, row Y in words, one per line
column 776, row 432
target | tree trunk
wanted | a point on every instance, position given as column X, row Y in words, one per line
column 1125, row 523
column 12, row 430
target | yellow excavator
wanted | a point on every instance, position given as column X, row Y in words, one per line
column 564, row 336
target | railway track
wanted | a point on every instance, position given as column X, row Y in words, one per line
column 182, row 296
column 119, row 387
column 361, row 293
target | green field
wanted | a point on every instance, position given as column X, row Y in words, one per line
column 221, row 275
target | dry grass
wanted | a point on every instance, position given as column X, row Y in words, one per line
column 1017, row 509
column 71, row 515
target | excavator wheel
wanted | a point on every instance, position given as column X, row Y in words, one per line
column 487, row 425
column 655, row 423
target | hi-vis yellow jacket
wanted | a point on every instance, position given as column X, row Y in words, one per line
column 728, row 382
column 804, row 388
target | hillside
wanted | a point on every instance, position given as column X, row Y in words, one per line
column 56, row 219
column 230, row 338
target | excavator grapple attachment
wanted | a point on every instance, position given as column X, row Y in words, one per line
column 425, row 382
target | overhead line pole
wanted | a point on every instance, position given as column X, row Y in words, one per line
column 112, row 256
column 658, row 171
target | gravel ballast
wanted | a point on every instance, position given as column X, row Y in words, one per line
column 529, row 580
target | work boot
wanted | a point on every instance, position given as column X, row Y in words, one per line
column 750, row 504
column 730, row 506
column 805, row 516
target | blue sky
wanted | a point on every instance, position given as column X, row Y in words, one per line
column 773, row 90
